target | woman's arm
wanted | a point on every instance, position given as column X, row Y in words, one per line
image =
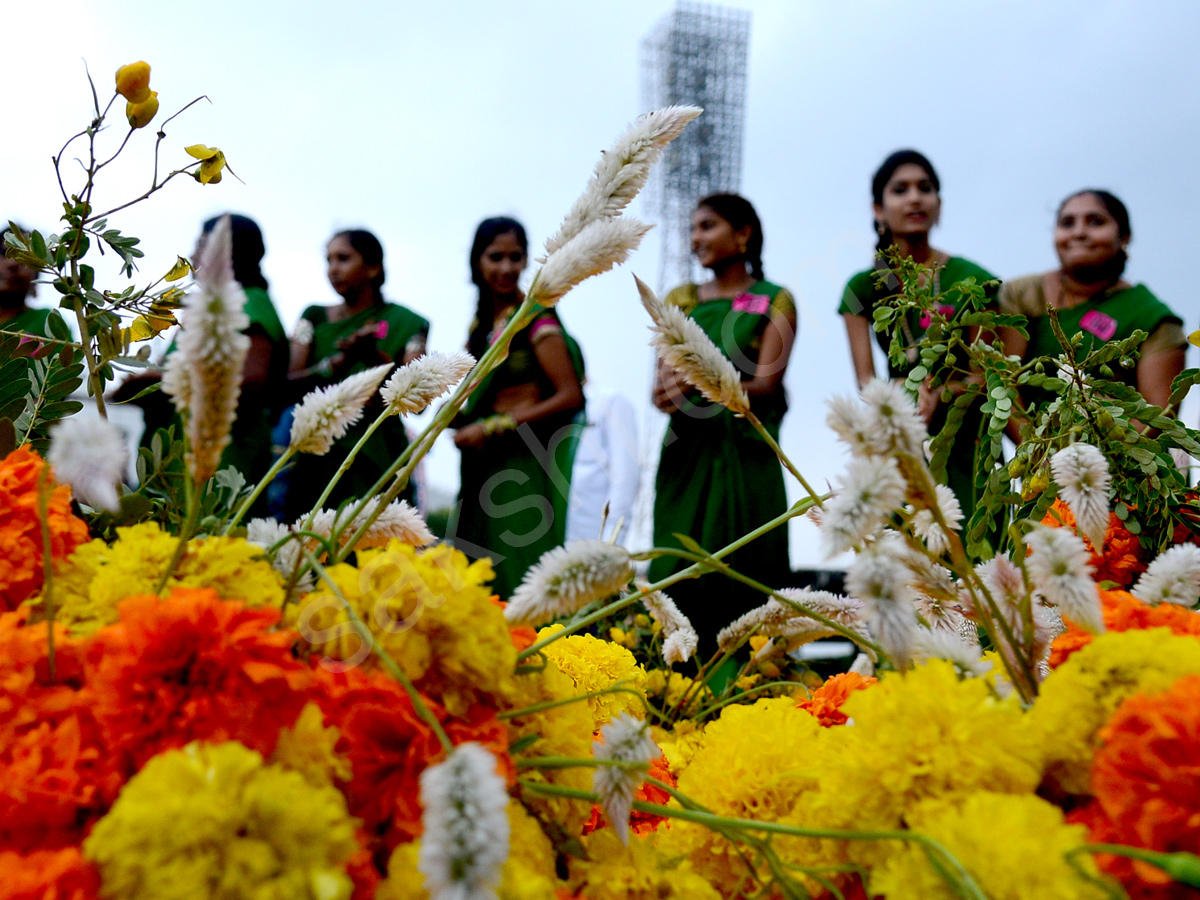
column 1156, row 372
column 858, row 332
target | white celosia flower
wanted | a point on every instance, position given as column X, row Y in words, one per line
column 413, row 387
column 622, row 171
column 566, row 579
column 777, row 619
column 879, row 578
column 286, row 560
column 325, row 414
column 90, row 456
column 849, row 420
column 597, row 248
column 683, row 345
column 398, row 521
column 1173, row 577
column 1081, row 473
column 892, row 423
column 303, row 332
column 926, row 526
column 679, row 637
column 940, row 643
column 626, row 740
column 1058, row 567
column 934, row 583
column 870, row 491
column 863, row 665
column 204, row 375
column 464, row 842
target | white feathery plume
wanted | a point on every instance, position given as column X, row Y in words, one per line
column 777, row 619
column 268, row 532
column 1004, row 582
column 849, row 420
column 601, row 245
column 303, row 332
column 926, row 526
column 939, row 643
column 628, row 741
column 679, row 637
column 1058, row 567
column 863, row 665
column 879, row 578
column 622, row 171
column 934, row 583
column 568, row 578
column 1173, row 577
column 1081, row 473
column 89, row 455
column 326, row 413
column 891, row 421
column 398, row 520
column 204, row 374
column 871, row 490
column 413, row 387
column 464, row 842
column 683, row 345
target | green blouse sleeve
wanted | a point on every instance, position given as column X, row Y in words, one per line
column 858, row 297
column 263, row 315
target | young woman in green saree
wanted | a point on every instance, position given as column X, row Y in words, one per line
column 717, row 479
column 518, row 429
column 1091, row 232
column 364, row 330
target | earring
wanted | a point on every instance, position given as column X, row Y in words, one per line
column 741, row 246
column 879, row 228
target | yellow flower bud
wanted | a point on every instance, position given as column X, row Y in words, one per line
column 140, row 114
column 133, row 82
column 641, row 620
column 212, row 161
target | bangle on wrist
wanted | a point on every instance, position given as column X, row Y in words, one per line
column 498, row 424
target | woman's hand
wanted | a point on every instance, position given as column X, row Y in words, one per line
column 470, row 436
column 670, row 391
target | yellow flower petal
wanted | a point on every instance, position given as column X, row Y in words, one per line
column 1194, row 338
column 133, row 81
column 181, row 268
column 140, row 114
column 210, row 167
column 200, row 151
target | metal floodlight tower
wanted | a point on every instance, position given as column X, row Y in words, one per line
column 696, row 54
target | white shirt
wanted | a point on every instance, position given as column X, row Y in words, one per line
column 606, row 469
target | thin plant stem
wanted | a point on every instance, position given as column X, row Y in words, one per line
column 346, row 463
column 276, row 467
column 185, row 534
column 419, row 705
column 783, row 457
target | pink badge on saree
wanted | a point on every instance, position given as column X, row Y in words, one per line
column 945, row 311
column 381, row 330
column 755, row 304
column 1102, row 325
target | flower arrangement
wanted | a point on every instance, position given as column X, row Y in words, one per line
column 338, row 709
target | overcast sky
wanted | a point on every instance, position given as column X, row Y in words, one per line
column 416, row 120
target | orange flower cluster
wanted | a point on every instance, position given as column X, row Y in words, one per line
column 825, row 705
column 641, row 822
column 1146, row 782
column 192, row 667
column 47, row 875
column 1124, row 612
column 1122, row 559
column 21, row 563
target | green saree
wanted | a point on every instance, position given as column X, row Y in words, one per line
column 717, row 479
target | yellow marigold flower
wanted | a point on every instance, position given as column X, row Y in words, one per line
column 679, row 745
column 1081, row 695
column 308, row 747
column 669, row 688
column 925, row 734
column 640, row 871
column 755, row 762
column 133, row 81
column 528, row 874
column 215, row 819
column 212, row 162
column 88, row 586
column 140, row 114
column 593, row 665
column 1014, row 846
column 564, row 730
column 430, row 609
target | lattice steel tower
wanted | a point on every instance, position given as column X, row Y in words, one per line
column 696, row 54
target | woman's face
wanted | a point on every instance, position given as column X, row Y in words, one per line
column 1086, row 234
column 911, row 204
column 501, row 264
column 347, row 272
column 714, row 240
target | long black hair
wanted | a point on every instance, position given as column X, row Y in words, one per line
column 1114, row 268
column 884, row 174
column 488, row 231
column 739, row 213
column 248, row 248
column 367, row 246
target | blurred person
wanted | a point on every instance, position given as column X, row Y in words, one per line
column 16, row 289
column 518, row 430
column 717, row 478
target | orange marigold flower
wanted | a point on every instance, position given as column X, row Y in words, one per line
column 523, row 636
column 21, row 565
column 826, row 702
column 1124, row 612
column 640, row 822
column 48, row 875
column 1146, row 781
column 1123, row 558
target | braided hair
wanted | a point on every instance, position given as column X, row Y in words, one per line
column 739, row 213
